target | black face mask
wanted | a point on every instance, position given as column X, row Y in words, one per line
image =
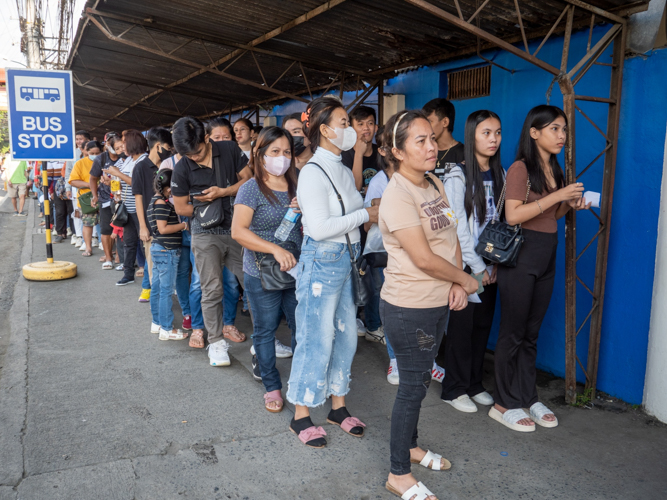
column 298, row 145
column 163, row 154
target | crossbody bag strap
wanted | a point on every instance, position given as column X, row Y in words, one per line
column 342, row 206
column 501, row 202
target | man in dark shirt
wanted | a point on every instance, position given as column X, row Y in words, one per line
column 195, row 175
column 99, row 186
column 362, row 159
column 159, row 148
column 441, row 114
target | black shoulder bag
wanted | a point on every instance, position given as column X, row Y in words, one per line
column 210, row 215
column 362, row 278
column 120, row 215
column 500, row 243
column 272, row 278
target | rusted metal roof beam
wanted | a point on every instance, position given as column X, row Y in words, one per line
column 484, row 35
column 597, row 10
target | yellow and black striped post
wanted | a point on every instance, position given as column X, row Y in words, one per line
column 50, row 270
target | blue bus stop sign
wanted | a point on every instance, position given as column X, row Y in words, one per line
column 41, row 114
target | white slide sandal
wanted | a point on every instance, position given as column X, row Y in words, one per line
column 537, row 413
column 510, row 419
column 418, row 491
column 434, row 460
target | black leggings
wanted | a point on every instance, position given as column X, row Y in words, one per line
column 130, row 241
column 525, row 293
column 465, row 346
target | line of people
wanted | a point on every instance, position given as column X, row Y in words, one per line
column 288, row 212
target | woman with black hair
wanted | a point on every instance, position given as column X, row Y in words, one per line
column 165, row 252
column 326, row 314
column 473, row 188
column 424, row 280
column 243, row 132
column 261, row 205
column 536, row 197
column 220, row 129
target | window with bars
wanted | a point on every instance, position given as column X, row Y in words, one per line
column 469, row 83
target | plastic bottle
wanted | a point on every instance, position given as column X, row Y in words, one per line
column 288, row 222
column 115, row 185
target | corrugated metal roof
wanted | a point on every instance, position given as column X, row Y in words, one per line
column 134, row 81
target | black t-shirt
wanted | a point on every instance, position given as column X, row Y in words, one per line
column 142, row 183
column 448, row 159
column 369, row 167
column 189, row 177
column 102, row 161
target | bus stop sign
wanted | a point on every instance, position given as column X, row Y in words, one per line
column 41, row 114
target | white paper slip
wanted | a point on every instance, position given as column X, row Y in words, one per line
column 593, row 198
column 293, row 272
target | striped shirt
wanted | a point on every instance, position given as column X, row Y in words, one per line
column 126, row 189
column 164, row 212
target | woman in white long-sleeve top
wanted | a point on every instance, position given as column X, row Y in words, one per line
column 326, row 332
column 473, row 190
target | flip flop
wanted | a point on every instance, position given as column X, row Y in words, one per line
column 107, row 266
column 87, row 254
column 232, row 333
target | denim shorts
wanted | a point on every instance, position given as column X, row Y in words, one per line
column 326, row 324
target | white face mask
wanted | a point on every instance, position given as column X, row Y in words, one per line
column 92, row 157
column 345, row 139
column 276, row 165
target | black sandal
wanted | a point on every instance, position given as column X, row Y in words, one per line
column 309, row 435
column 352, row 425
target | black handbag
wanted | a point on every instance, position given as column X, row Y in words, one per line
column 120, row 215
column 362, row 277
column 499, row 242
column 211, row 214
column 272, row 278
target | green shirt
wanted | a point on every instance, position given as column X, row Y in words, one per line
column 18, row 175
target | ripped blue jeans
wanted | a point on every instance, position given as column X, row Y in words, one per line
column 326, row 324
column 415, row 335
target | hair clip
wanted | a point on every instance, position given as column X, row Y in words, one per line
column 305, row 117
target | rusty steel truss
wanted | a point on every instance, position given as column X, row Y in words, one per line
column 366, row 82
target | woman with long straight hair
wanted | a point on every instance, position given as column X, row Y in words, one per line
column 326, row 315
column 473, row 189
column 260, row 207
column 536, row 196
column 424, row 280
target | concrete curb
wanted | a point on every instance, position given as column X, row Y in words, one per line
column 14, row 381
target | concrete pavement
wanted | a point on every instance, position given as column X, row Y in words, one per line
column 93, row 406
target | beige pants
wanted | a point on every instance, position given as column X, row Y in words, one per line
column 149, row 259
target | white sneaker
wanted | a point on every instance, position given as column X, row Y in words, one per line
column 83, row 247
column 361, row 328
column 392, row 372
column 217, row 353
column 95, row 242
column 463, row 403
column 483, row 398
column 69, row 232
column 437, row 373
column 155, row 328
column 74, row 239
column 376, row 335
column 282, row 351
column 172, row 335
column 101, row 246
column 54, row 232
column 79, row 242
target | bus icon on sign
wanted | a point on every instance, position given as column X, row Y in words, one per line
column 38, row 93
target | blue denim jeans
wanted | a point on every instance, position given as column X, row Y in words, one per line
column 416, row 335
column 165, row 268
column 326, row 319
column 146, row 281
column 183, row 281
column 267, row 310
column 195, row 296
column 230, row 298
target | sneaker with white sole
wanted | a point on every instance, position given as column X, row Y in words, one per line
column 155, row 328
column 282, row 351
column 217, row 353
column 376, row 336
column 101, row 246
column 256, row 373
column 95, row 242
column 79, row 242
column 462, row 403
column 437, row 373
column 74, row 239
column 361, row 328
column 172, row 335
column 392, row 372
column 483, row 398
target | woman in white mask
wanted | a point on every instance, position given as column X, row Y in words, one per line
column 326, row 333
column 261, row 205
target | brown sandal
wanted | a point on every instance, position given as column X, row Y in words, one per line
column 232, row 333
column 197, row 339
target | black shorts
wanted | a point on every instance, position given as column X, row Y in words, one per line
column 105, row 221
